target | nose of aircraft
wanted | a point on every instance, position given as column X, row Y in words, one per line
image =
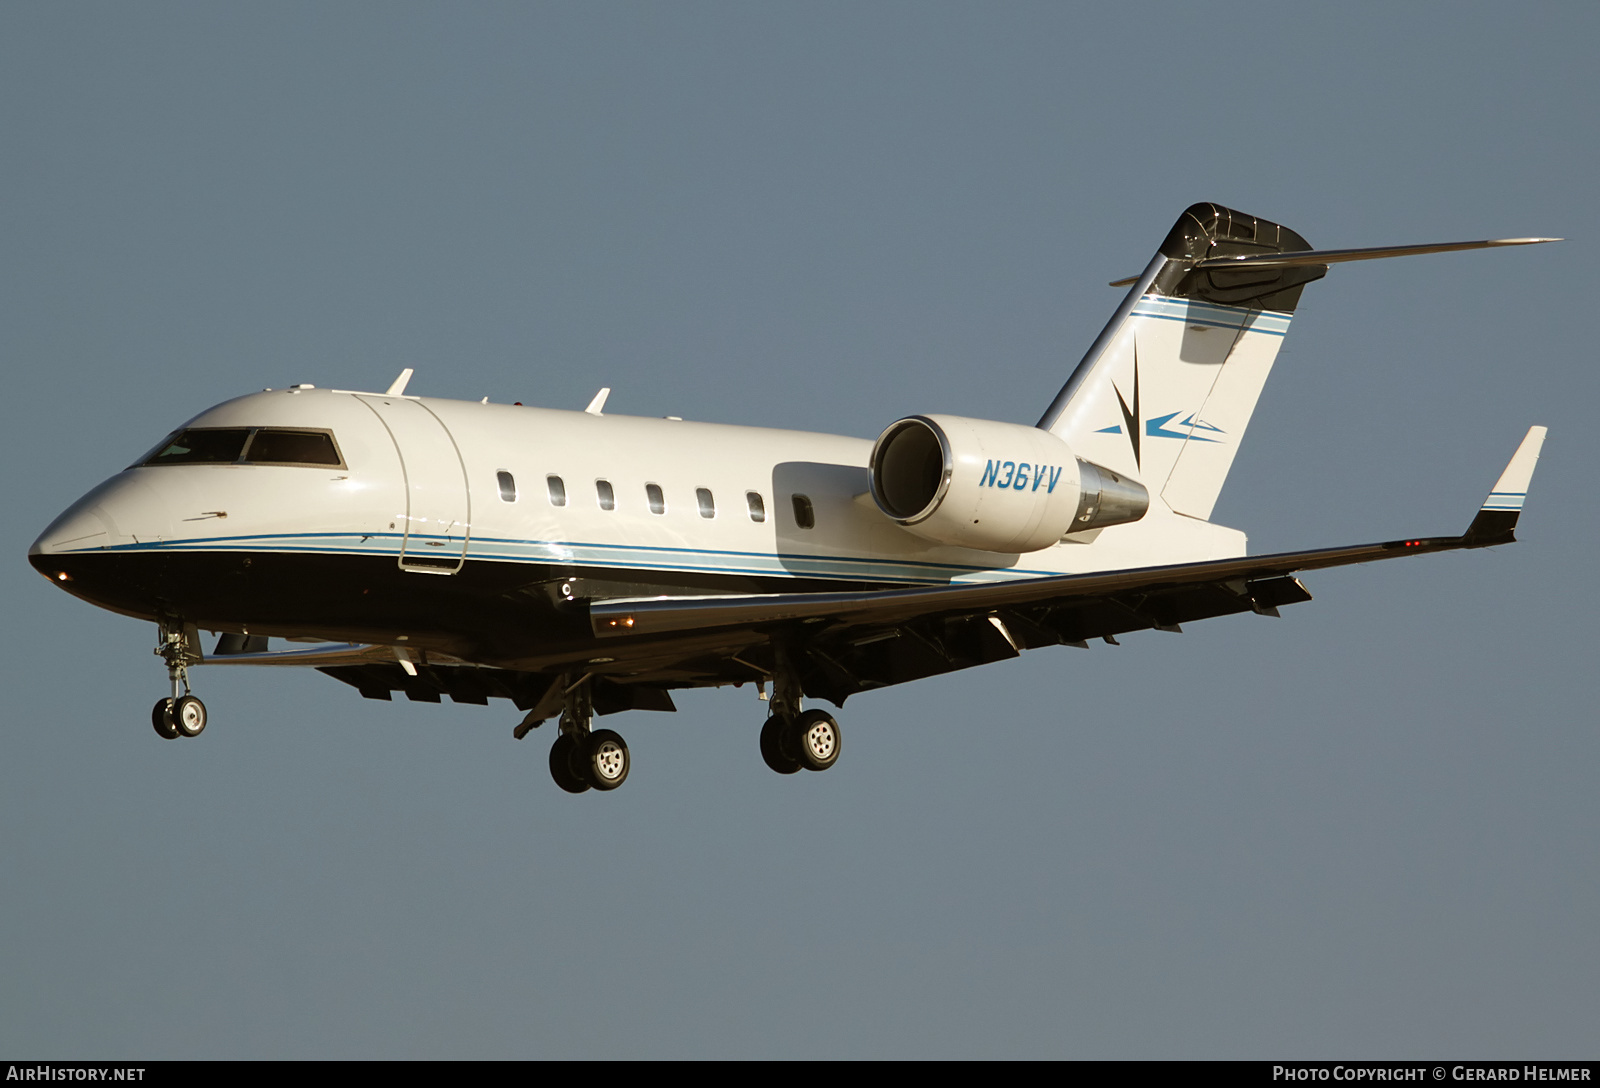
column 79, row 527
column 85, row 550
column 123, row 510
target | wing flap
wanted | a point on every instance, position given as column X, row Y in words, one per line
column 253, row 652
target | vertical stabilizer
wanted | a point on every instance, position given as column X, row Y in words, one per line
column 1166, row 391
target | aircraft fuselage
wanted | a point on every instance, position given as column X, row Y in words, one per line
column 439, row 525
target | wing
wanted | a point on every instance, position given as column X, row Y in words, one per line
column 426, row 677
column 854, row 641
column 843, row 643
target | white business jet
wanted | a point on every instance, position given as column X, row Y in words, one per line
column 579, row 563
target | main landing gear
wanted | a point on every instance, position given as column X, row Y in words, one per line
column 792, row 738
column 583, row 759
column 809, row 740
column 181, row 714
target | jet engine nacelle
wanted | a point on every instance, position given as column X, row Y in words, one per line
column 999, row 487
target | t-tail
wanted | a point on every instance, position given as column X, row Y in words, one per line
column 1166, row 391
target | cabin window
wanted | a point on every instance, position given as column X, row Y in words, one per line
column 658, row 501
column 558, row 490
column 804, row 516
column 605, row 495
column 272, row 446
column 758, row 509
column 508, row 486
column 707, row 504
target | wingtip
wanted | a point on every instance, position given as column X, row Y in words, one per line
column 1498, row 515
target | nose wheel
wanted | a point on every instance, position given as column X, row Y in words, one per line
column 181, row 714
column 184, row 718
column 161, row 718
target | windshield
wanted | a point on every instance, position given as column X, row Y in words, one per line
column 248, row 445
column 275, row 447
column 200, row 446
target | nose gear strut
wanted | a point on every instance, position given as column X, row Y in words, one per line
column 181, row 714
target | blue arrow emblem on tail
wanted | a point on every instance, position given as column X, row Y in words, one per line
column 1157, row 428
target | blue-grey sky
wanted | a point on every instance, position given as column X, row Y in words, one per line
column 1367, row 828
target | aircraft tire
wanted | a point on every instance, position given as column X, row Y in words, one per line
column 604, row 759
column 189, row 716
column 561, row 764
column 772, row 748
column 815, row 740
column 162, row 720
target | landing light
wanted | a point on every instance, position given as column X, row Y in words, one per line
column 63, row 576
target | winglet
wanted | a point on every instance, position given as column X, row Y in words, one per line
column 397, row 388
column 598, row 405
column 1497, row 517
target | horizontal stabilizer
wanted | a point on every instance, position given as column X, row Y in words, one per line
column 1314, row 258
column 1325, row 257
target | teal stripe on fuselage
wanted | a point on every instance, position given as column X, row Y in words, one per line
column 612, row 556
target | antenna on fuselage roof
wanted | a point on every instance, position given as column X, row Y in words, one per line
column 599, row 402
column 397, row 388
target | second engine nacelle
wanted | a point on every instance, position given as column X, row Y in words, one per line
column 999, row 487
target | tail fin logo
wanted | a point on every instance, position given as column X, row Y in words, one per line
column 1185, row 430
column 1131, row 416
column 1157, row 428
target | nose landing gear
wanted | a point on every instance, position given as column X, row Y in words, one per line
column 161, row 718
column 181, row 714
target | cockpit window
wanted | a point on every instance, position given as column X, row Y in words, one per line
column 276, row 447
column 201, row 446
column 252, row 445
